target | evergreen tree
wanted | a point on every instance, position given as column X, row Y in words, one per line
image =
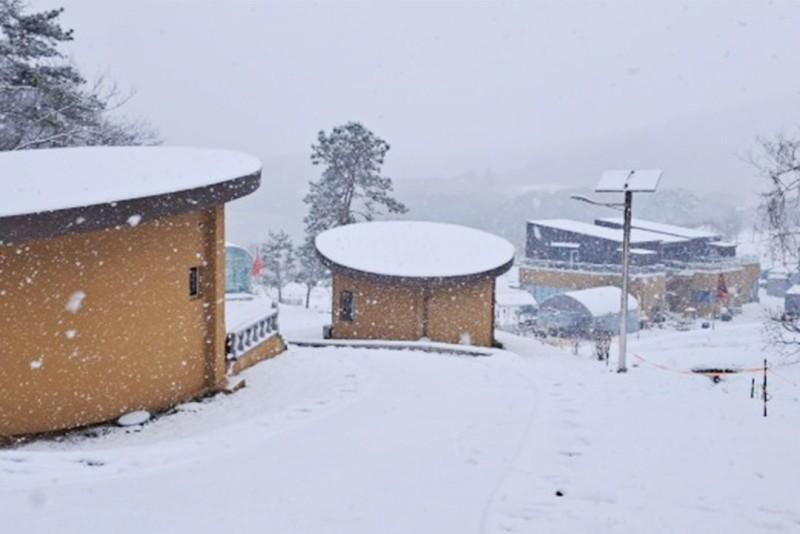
column 311, row 270
column 277, row 255
column 44, row 100
column 351, row 187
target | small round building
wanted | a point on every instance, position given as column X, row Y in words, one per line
column 410, row 280
column 112, row 280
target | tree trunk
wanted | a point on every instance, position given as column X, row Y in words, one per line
column 309, row 287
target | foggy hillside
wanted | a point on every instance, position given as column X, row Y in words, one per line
column 703, row 158
column 507, row 215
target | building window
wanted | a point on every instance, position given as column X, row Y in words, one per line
column 194, row 281
column 346, row 306
column 703, row 297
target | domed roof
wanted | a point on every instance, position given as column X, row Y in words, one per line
column 415, row 250
column 54, row 191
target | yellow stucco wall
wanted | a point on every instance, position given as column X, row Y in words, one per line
column 671, row 291
column 463, row 313
column 138, row 341
column 384, row 310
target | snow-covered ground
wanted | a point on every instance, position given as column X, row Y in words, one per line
column 362, row 440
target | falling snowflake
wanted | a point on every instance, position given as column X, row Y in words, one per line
column 75, row 302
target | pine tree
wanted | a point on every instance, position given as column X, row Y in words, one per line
column 351, row 187
column 278, row 257
column 311, row 270
column 44, row 100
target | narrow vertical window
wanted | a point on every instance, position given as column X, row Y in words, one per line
column 194, row 282
column 346, row 306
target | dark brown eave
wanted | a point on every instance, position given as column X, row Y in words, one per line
column 49, row 224
column 416, row 281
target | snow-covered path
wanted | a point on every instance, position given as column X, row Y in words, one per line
column 363, row 440
column 655, row 450
column 389, row 442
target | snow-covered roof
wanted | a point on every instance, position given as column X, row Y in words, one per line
column 722, row 244
column 415, row 249
column 604, row 232
column 599, row 301
column 640, row 251
column 228, row 244
column 512, row 296
column 663, row 228
column 794, row 290
column 43, row 180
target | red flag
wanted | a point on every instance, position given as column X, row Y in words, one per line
column 722, row 289
column 257, row 265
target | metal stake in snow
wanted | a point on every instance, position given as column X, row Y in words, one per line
column 764, row 393
column 627, row 182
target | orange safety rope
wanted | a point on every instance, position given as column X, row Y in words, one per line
column 704, row 373
column 713, row 373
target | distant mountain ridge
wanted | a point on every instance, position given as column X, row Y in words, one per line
column 706, row 178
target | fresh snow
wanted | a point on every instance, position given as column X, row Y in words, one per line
column 414, row 249
column 664, row 228
column 61, row 178
column 134, row 418
column 364, row 440
column 600, row 301
column 640, row 251
column 794, row 290
column 75, row 302
column 512, row 296
column 243, row 309
column 606, row 233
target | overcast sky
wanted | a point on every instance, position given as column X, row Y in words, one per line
column 503, row 96
column 432, row 77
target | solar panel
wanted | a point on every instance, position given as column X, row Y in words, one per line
column 634, row 180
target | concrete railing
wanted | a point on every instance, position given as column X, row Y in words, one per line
column 710, row 265
column 242, row 340
column 600, row 268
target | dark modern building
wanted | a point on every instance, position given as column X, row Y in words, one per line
column 578, row 242
column 680, row 244
column 672, row 267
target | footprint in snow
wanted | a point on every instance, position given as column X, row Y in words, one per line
column 91, row 463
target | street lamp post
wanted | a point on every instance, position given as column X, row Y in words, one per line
column 627, row 182
column 626, row 253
